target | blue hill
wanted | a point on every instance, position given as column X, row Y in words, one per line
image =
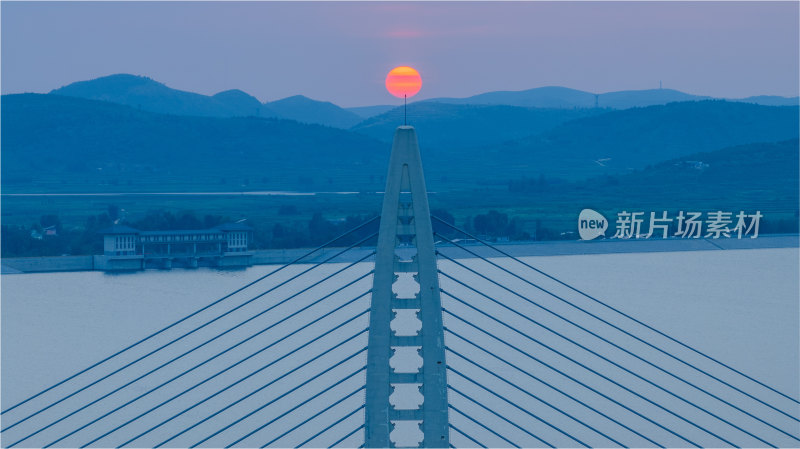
column 148, row 95
column 562, row 97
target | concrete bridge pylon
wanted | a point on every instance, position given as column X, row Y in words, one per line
column 406, row 246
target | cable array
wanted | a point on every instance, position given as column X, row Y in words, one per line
column 527, row 366
column 574, row 357
column 299, row 326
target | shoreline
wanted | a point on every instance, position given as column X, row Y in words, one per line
column 49, row 264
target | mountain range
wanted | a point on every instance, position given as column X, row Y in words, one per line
column 622, row 140
column 53, row 142
column 562, row 97
column 457, row 126
column 60, row 143
column 764, row 170
column 149, row 95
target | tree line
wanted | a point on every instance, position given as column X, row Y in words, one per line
column 49, row 237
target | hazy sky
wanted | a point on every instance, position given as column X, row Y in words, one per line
column 341, row 52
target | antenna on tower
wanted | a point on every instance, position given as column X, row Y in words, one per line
column 403, row 81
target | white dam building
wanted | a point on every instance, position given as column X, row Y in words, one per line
column 127, row 248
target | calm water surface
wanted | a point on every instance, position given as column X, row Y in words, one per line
column 739, row 305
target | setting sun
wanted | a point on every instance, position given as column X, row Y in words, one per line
column 403, row 82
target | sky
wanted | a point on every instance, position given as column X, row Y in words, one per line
column 341, row 52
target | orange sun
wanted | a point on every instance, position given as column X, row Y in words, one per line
column 403, row 82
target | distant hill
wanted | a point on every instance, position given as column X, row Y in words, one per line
column 633, row 138
column 641, row 98
column 371, row 111
column 540, row 97
column 52, row 142
column 759, row 176
column 764, row 174
column 772, row 100
column 756, row 166
column 242, row 103
column 562, row 97
column 57, row 143
column 148, row 95
column 306, row 110
column 456, row 126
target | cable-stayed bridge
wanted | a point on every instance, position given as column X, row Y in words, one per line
column 437, row 344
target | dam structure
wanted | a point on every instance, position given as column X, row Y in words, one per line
column 127, row 248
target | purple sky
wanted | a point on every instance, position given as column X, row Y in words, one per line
column 341, row 52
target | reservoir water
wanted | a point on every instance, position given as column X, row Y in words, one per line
column 741, row 306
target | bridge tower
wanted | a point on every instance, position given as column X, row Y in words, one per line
column 406, row 245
